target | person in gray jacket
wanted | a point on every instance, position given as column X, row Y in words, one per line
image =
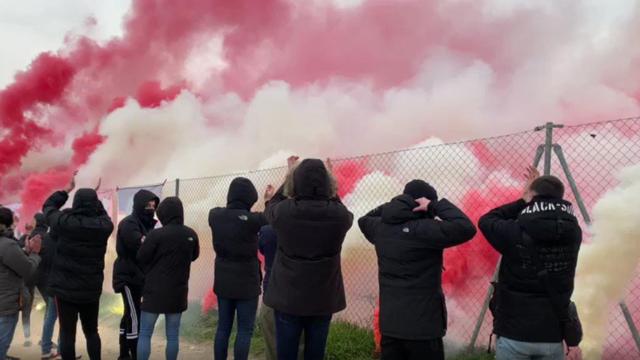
column 16, row 265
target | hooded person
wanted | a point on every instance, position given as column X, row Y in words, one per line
column 77, row 273
column 306, row 286
column 165, row 256
column 47, row 253
column 539, row 239
column 16, row 265
column 128, row 277
column 237, row 276
column 409, row 243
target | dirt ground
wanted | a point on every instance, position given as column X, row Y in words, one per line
column 109, row 338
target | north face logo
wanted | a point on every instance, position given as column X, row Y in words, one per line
column 190, row 238
column 243, row 217
column 406, row 230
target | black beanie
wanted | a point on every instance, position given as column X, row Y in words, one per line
column 420, row 189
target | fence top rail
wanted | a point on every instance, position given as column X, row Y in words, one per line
column 400, row 151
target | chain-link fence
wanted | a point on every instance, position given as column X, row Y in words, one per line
column 477, row 175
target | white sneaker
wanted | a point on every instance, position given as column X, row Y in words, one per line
column 51, row 355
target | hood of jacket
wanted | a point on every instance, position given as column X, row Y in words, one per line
column 170, row 211
column 311, row 181
column 86, row 202
column 400, row 210
column 242, row 194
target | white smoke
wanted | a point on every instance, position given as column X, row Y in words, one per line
column 609, row 263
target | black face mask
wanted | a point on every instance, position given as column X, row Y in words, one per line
column 149, row 212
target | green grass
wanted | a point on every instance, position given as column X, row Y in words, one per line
column 347, row 341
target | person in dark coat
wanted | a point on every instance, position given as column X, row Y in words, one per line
column 77, row 274
column 237, row 275
column 17, row 264
column 525, row 320
column 128, row 277
column 268, row 245
column 165, row 256
column 47, row 253
column 409, row 244
column 306, row 286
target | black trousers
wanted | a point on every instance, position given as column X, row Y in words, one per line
column 130, row 323
column 400, row 349
column 68, row 313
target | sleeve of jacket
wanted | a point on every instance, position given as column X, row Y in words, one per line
column 196, row 247
column 131, row 235
column 259, row 220
column 17, row 260
column 368, row 222
column 453, row 229
column 51, row 210
column 147, row 250
column 499, row 225
column 271, row 209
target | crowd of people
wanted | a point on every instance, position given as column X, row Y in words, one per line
column 300, row 234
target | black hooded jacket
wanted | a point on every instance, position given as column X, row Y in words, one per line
column 410, row 247
column 165, row 257
column 131, row 230
column 234, row 232
column 522, row 309
column 306, row 278
column 81, row 232
column 47, row 252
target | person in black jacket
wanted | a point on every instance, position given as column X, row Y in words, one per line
column 165, row 256
column 77, row 274
column 128, row 278
column 47, row 253
column 237, row 269
column 409, row 243
column 525, row 321
column 306, row 286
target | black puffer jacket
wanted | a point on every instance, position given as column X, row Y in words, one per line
column 131, row 229
column 410, row 246
column 47, row 253
column 165, row 257
column 82, row 233
column 522, row 309
column 235, row 240
column 306, row 278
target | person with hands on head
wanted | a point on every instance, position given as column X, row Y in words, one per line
column 306, row 286
column 539, row 239
column 128, row 278
column 77, row 272
column 17, row 265
column 409, row 243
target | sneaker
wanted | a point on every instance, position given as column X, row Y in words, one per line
column 50, row 356
column 27, row 343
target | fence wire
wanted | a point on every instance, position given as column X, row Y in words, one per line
column 476, row 175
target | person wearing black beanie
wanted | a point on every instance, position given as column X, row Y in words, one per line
column 410, row 242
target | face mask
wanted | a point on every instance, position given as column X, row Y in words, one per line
column 149, row 212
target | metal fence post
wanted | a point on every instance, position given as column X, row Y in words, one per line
column 178, row 187
column 587, row 218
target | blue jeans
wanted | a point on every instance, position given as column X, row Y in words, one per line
column 289, row 329
column 7, row 328
column 507, row 349
column 227, row 309
column 48, row 325
column 172, row 330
